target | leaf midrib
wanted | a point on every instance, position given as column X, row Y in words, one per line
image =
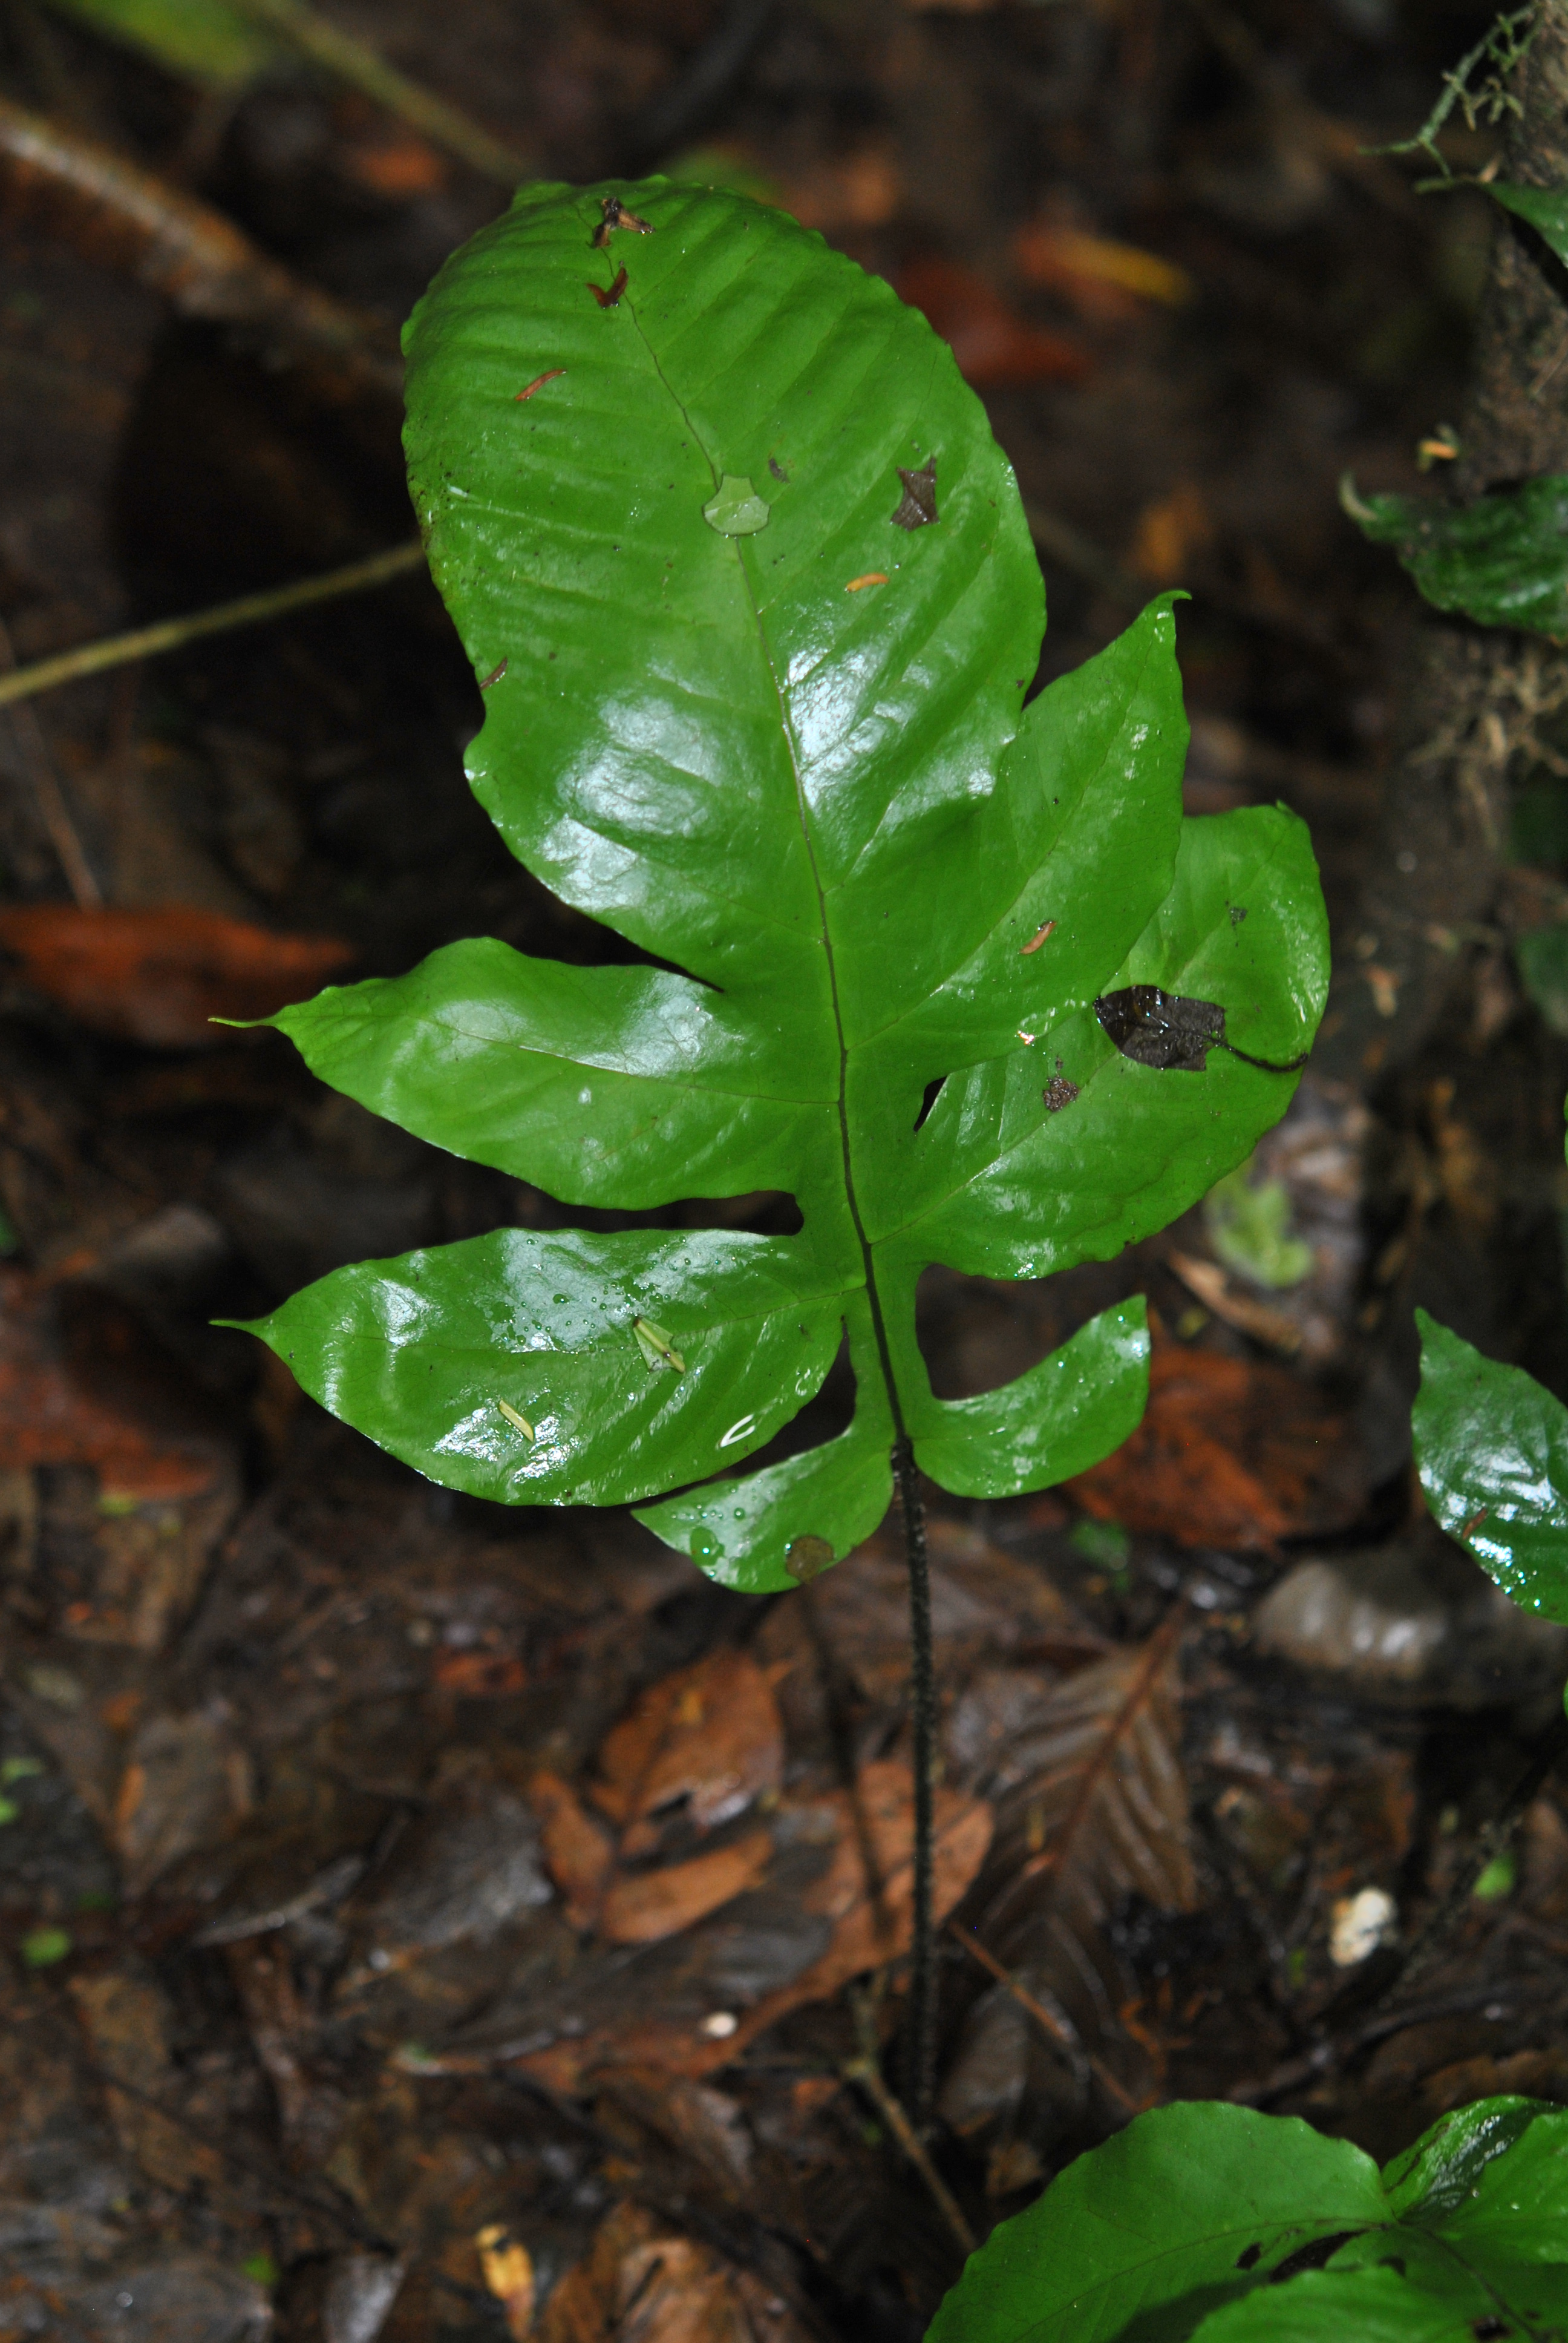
column 868, row 1266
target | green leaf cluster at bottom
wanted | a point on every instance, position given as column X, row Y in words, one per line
column 1212, row 2221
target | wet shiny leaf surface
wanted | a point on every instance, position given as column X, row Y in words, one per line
column 831, row 812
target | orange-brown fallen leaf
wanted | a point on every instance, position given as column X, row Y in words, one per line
column 480, row 1676
column 709, row 1733
column 871, row 1918
column 646, row 1905
column 996, row 348
column 578, row 1850
column 1101, row 278
column 160, row 975
column 1231, row 1452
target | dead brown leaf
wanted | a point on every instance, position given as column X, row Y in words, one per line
column 644, row 2282
column 710, row 1733
column 1091, row 1807
column 642, row 1909
column 996, row 348
column 126, row 2020
column 578, row 1850
column 160, row 977
column 1231, row 1452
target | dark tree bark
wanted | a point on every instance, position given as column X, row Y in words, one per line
column 1470, row 697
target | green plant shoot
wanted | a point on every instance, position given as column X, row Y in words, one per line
column 747, row 585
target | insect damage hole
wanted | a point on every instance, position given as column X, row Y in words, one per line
column 917, row 505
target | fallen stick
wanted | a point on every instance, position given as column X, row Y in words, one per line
column 173, row 634
column 73, row 191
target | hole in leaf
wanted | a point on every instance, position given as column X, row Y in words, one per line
column 1315, row 2255
column 1486, row 2330
column 1249, row 2257
column 764, row 1213
column 977, row 1333
column 933, row 1092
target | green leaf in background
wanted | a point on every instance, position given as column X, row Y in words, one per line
column 202, row 40
column 1543, row 957
column 776, row 739
column 1248, row 1224
column 1503, row 560
column 1491, row 1448
column 1214, row 2221
column 1545, row 209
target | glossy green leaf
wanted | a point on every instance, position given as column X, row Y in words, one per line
column 1190, row 2207
column 1212, row 2221
column 1545, row 209
column 202, row 40
column 778, row 743
column 1503, row 560
column 1370, row 2306
column 1491, row 1448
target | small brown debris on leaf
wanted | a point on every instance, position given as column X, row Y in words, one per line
column 917, row 505
column 1038, row 937
column 1059, row 1092
column 615, row 215
column 497, row 672
column 871, row 578
column 539, row 381
column 608, row 297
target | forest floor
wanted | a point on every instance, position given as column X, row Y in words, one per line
column 417, row 1919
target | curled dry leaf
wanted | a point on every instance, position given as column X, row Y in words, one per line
column 578, row 1851
column 644, row 2282
column 1232, row 1453
column 1092, row 1807
column 160, row 977
column 710, row 1733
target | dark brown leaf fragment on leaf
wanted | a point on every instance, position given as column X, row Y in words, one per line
column 1174, row 1035
column 615, row 215
column 608, row 296
column 1059, row 1092
column 1165, row 1030
column 917, row 505
column 495, row 675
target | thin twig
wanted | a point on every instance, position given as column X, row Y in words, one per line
column 48, row 795
column 866, row 2072
column 364, row 68
column 1051, row 2027
column 173, row 634
column 923, row 1720
column 65, row 187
